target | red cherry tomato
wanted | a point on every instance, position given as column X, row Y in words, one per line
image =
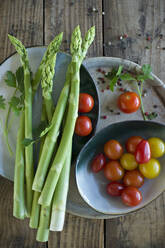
column 115, row 188
column 143, row 152
column 83, row 126
column 113, row 171
column 132, row 143
column 131, row 196
column 98, row 162
column 129, row 102
column 113, row 149
column 133, row 178
column 86, row 103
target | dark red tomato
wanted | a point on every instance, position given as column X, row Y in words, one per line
column 132, row 143
column 83, row 126
column 115, row 188
column 113, row 149
column 86, row 103
column 143, row 152
column 133, row 178
column 129, row 102
column 131, row 196
column 113, row 171
column 98, row 162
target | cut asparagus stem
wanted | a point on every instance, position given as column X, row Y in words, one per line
column 35, row 213
column 29, row 173
column 56, row 167
column 43, row 229
column 19, row 210
column 60, row 196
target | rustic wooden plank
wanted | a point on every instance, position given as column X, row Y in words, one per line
column 14, row 233
column 79, row 232
column 139, row 20
column 64, row 15
column 24, row 19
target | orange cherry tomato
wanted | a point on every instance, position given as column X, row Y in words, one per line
column 113, row 171
column 131, row 196
column 86, row 103
column 129, row 102
column 133, row 178
column 132, row 143
column 113, row 149
column 83, row 126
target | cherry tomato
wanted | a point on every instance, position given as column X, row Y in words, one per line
column 128, row 161
column 86, row 103
column 151, row 169
column 129, row 102
column 113, row 149
column 143, row 152
column 157, row 147
column 83, row 126
column 98, row 162
column 133, row 178
column 131, row 196
column 113, row 171
column 132, row 143
column 115, row 188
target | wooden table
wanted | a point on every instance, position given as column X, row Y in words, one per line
column 36, row 22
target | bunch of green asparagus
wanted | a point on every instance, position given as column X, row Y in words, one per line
column 42, row 196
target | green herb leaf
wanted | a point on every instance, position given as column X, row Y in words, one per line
column 126, row 77
column 20, row 78
column 27, row 142
column 15, row 104
column 152, row 115
column 11, row 79
column 146, row 69
column 2, row 102
column 113, row 83
column 119, row 70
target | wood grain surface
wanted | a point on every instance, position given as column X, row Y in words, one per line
column 138, row 20
column 36, row 22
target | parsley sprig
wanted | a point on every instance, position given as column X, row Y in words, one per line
column 16, row 102
column 119, row 74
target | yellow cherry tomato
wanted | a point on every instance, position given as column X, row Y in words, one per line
column 128, row 161
column 151, row 169
column 157, row 147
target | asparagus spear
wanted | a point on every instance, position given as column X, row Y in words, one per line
column 19, row 170
column 29, row 173
column 60, row 196
column 47, row 74
column 51, row 138
column 52, row 48
column 56, row 167
column 47, row 85
column 19, row 199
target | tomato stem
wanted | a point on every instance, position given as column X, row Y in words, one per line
column 141, row 101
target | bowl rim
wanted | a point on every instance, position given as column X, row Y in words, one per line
column 84, row 147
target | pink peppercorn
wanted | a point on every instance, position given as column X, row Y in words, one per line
column 125, row 35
